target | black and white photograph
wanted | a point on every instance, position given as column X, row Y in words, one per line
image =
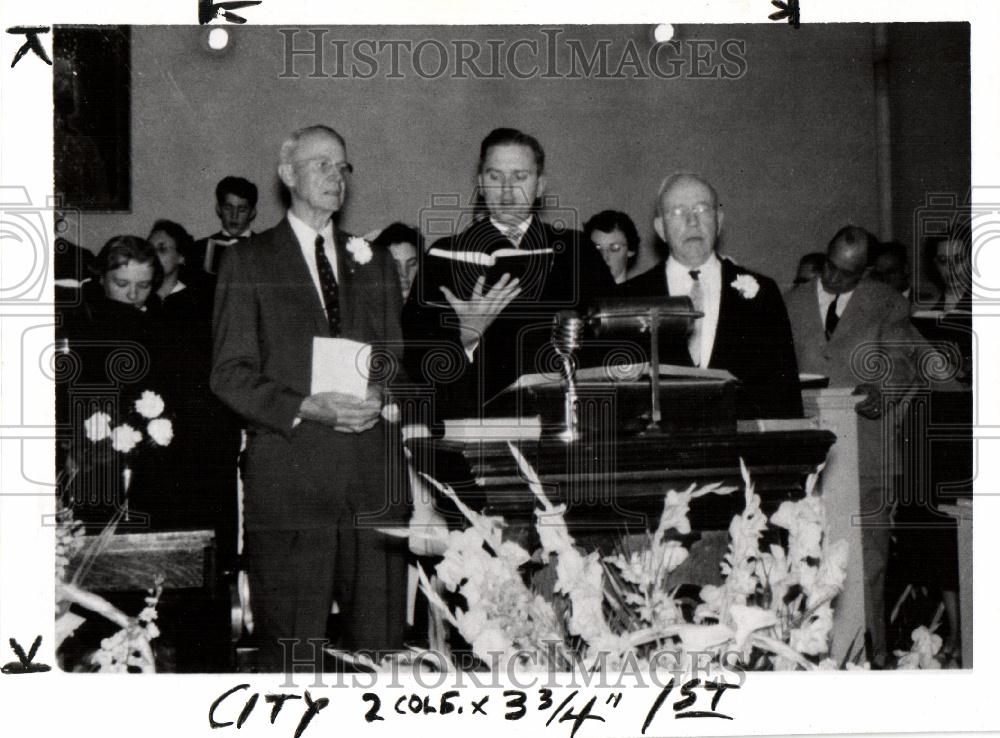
column 564, row 375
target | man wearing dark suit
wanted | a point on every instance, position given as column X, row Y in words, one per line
column 487, row 326
column 745, row 327
column 315, row 462
column 236, row 206
column 836, row 319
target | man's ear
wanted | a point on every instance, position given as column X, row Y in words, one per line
column 718, row 222
column 658, row 227
column 218, row 210
column 286, row 173
column 540, row 189
column 253, row 214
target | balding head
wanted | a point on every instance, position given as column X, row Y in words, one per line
column 688, row 218
column 846, row 259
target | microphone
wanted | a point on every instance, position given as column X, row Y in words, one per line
column 567, row 332
column 567, row 335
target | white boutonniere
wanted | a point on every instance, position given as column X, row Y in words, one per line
column 359, row 249
column 747, row 285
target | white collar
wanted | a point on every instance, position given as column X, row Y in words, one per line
column 709, row 269
column 305, row 232
column 826, row 298
column 246, row 234
column 520, row 229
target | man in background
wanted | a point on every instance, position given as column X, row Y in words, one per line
column 236, row 206
column 891, row 266
column 809, row 268
column 837, row 320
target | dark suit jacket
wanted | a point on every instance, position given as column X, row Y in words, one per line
column 753, row 342
column 266, row 313
column 877, row 320
column 517, row 342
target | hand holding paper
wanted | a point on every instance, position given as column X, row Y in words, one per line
column 345, row 413
column 341, row 396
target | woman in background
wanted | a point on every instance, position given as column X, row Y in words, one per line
column 114, row 338
column 207, row 442
column 616, row 239
column 949, row 267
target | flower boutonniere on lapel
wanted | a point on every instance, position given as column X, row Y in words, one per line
column 360, row 249
column 747, row 285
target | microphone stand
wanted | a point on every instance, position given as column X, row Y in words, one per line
column 566, row 329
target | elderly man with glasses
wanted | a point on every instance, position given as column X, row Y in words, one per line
column 317, row 463
column 745, row 327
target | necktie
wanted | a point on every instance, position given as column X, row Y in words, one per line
column 832, row 318
column 511, row 233
column 328, row 285
column 698, row 303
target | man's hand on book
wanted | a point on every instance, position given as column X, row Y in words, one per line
column 477, row 313
column 345, row 413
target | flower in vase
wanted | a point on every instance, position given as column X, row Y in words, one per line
column 161, row 430
column 97, row 427
column 149, row 405
column 124, row 438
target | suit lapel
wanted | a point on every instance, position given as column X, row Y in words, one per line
column 728, row 310
column 345, row 278
column 853, row 314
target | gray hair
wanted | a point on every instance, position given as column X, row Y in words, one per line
column 290, row 144
column 671, row 179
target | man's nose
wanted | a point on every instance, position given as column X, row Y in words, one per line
column 691, row 218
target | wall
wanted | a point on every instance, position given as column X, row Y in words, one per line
column 789, row 143
column 929, row 94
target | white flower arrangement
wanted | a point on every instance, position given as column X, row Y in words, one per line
column 124, row 438
column 161, row 430
column 747, row 285
column 97, row 427
column 360, row 249
column 619, row 607
column 128, row 649
column 149, row 405
column 923, row 652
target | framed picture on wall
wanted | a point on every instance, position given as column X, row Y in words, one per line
column 91, row 97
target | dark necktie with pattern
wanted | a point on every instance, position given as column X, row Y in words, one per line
column 698, row 303
column 832, row 318
column 328, row 284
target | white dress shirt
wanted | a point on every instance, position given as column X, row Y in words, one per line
column 306, row 237
column 825, row 298
column 514, row 234
column 679, row 282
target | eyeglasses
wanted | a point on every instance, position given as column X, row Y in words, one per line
column 165, row 248
column 614, row 248
column 326, row 167
column 681, row 212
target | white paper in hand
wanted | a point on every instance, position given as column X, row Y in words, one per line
column 340, row 365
